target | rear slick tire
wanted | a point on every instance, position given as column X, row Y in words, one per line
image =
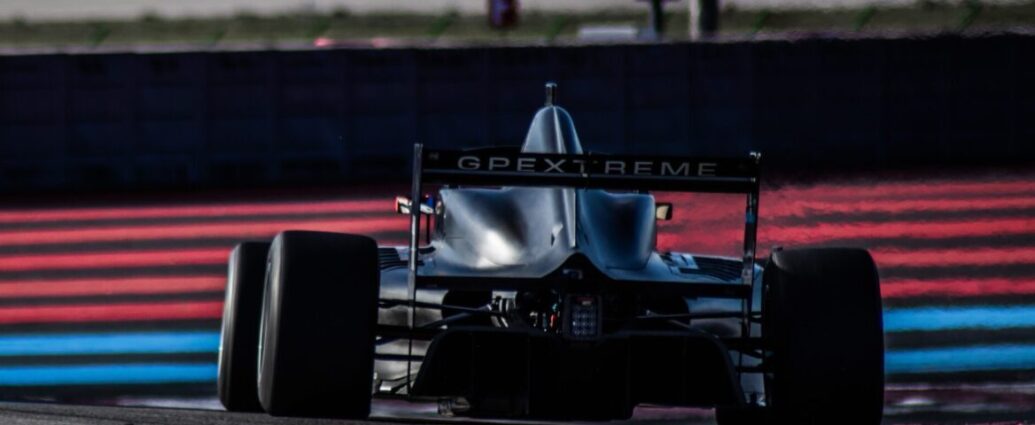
column 822, row 321
column 316, row 348
column 823, row 331
column 239, row 338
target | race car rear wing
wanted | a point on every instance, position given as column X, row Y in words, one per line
column 495, row 167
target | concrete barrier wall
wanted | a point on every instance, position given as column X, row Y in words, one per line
column 215, row 118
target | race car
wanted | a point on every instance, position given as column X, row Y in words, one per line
column 532, row 288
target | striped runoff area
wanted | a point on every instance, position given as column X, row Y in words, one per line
column 126, row 294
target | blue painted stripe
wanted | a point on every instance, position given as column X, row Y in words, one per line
column 109, row 343
column 934, row 360
column 940, row 360
column 961, row 359
column 108, row 374
column 949, row 318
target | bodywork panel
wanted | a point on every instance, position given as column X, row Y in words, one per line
column 529, row 232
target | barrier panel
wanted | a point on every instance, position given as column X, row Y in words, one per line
column 315, row 116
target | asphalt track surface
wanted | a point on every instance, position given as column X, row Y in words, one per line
column 33, row 414
column 387, row 413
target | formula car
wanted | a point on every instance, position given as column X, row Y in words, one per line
column 532, row 288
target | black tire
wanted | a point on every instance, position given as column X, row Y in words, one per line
column 319, row 316
column 823, row 323
column 748, row 415
column 239, row 339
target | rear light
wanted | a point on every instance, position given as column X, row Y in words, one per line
column 582, row 316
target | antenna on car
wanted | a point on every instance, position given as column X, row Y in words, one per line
column 551, row 93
